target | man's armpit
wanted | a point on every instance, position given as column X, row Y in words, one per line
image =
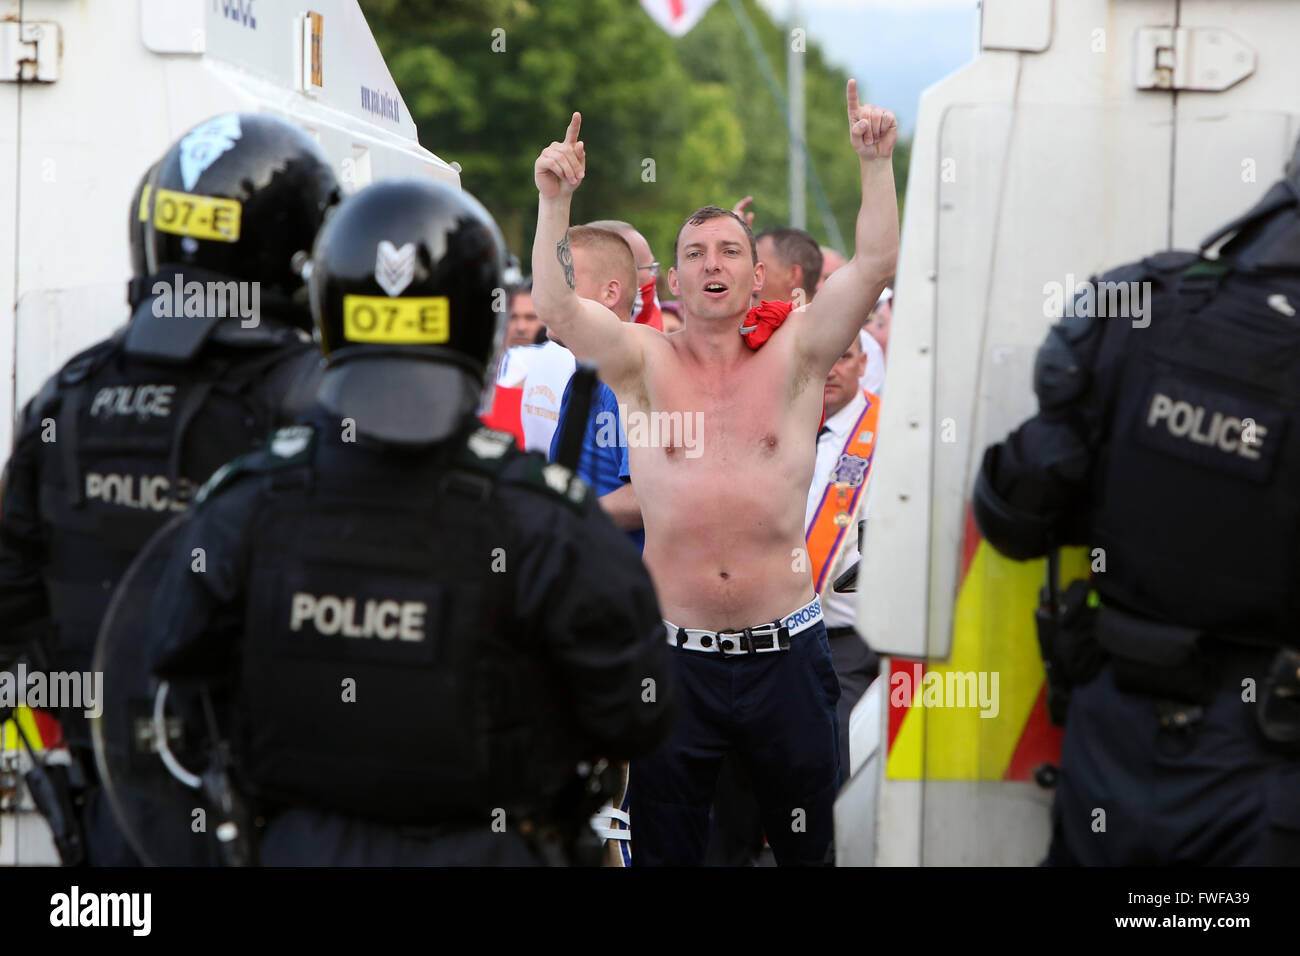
column 632, row 388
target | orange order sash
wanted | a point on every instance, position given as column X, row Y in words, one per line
column 843, row 492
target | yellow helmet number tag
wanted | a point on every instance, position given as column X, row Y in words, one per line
column 201, row 217
column 377, row 319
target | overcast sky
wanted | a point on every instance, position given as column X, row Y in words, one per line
column 895, row 47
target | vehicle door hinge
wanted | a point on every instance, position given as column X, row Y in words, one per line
column 29, row 51
column 1205, row 59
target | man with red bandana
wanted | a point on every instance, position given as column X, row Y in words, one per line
column 722, row 471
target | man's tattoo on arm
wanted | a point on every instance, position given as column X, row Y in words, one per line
column 565, row 255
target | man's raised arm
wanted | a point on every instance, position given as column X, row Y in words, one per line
column 592, row 332
column 828, row 325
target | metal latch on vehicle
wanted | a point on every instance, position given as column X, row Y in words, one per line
column 29, row 52
column 1204, row 59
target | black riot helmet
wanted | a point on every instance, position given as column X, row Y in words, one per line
column 240, row 195
column 137, row 216
column 406, row 291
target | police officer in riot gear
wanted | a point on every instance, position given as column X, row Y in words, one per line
column 423, row 630
column 1169, row 442
column 215, row 356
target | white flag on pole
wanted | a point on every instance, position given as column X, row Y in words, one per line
column 676, row 16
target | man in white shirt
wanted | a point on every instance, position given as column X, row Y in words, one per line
column 836, row 503
column 550, row 366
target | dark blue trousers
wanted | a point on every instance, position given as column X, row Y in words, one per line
column 1134, row 793
column 776, row 713
column 305, row 837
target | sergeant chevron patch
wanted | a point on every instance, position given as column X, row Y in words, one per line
column 394, row 267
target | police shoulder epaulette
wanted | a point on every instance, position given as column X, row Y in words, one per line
column 1164, row 267
column 486, row 449
column 77, row 368
column 553, row 479
column 289, row 448
column 1172, row 260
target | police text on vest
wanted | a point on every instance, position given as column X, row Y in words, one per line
column 330, row 615
column 142, row 401
column 1182, row 419
column 146, row 492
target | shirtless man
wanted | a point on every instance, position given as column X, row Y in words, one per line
column 724, row 513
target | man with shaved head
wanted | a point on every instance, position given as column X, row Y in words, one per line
column 608, row 276
column 604, row 265
column 645, row 310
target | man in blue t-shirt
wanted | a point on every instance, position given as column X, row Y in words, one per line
column 603, row 464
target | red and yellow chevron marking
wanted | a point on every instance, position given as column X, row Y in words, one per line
column 993, row 631
column 42, row 730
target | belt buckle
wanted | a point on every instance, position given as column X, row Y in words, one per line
column 741, row 638
column 778, row 633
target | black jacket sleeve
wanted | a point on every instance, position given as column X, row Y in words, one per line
column 1032, row 492
column 581, row 581
column 197, row 612
column 24, row 608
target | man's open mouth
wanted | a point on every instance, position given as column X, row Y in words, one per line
column 714, row 288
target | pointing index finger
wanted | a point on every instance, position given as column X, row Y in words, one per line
column 571, row 134
column 851, row 92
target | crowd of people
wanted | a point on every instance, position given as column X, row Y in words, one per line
column 369, row 576
column 526, row 336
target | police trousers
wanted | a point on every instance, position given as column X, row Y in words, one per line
column 307, row 837
column 776, row 712
column 1212, row 792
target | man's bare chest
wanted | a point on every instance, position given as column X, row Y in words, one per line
column 718, row 419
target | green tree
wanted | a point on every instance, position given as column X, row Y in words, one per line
column 669, row 125
column 716, row 51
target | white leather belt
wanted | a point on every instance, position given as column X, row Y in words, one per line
column 763, row 639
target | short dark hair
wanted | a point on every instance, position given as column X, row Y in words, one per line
column 797, row 248
column 704, row 214
column 512, row 293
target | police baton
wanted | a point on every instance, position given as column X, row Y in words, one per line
column 583, row 383
column 1047, row 619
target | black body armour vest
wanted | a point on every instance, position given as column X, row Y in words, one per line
column 383, row 671
column 133, row 440
column 1197, row 485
